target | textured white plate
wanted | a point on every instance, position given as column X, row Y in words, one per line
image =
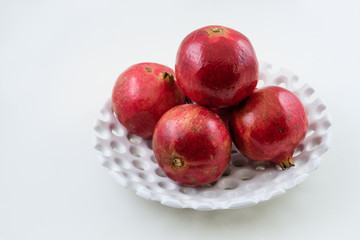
column 131, row 161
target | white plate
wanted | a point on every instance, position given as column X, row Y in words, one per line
column 131, row 161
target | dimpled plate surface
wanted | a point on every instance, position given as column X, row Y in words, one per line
column 131, row 162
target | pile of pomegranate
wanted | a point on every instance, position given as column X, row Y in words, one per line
column 193, row 114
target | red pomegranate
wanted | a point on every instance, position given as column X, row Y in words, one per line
column 216, row 66
column 192, row 145
column 142, row 94
column 269, row 125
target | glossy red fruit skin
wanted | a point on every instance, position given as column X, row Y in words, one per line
column 216, row 66
column 142, row 94
column 224, row 114
column 192, row 145
column 269, row 125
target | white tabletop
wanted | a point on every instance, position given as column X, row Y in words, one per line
column 58, row 63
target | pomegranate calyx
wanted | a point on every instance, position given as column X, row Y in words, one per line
column 287, row 163
column 215, row 29
column 167, row 77
column 177, row 163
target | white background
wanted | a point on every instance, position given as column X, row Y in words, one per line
column 58, row 63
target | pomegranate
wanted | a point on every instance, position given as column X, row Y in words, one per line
column 139, row 93
column 216, row 66
column 269, row 125
column 192, row 145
